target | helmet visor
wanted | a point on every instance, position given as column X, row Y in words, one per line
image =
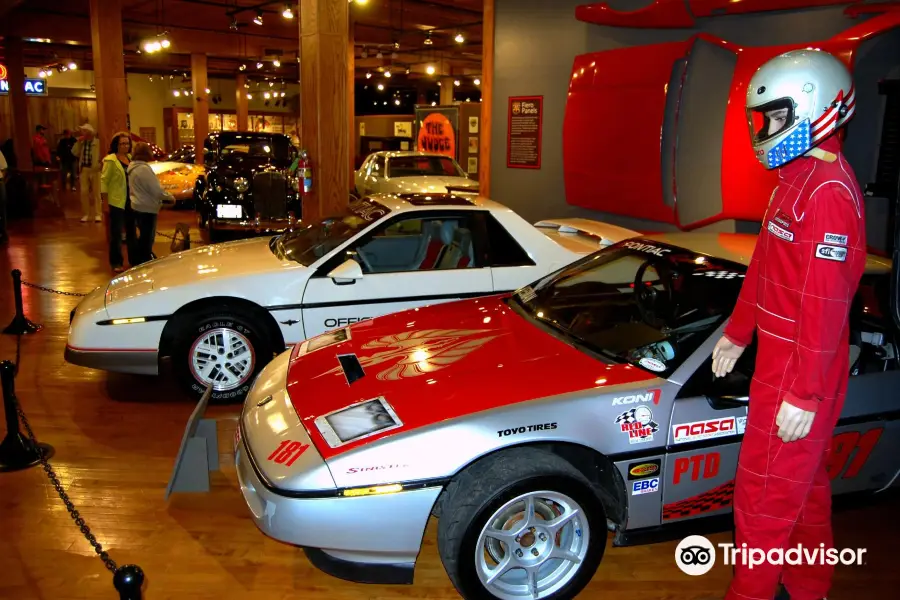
column 770, row 119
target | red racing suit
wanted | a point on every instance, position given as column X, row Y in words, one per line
column 796, row 295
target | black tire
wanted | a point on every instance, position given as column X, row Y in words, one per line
column 193, row 326
column 478, row 492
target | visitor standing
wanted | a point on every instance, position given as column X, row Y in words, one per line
column 147, row 196
column 87, row 156
column 66, row 159
column 114, row 193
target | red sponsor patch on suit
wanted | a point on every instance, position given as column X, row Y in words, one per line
column 783, row 220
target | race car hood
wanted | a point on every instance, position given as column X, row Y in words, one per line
column 427, row 184
column 230, row 260
column 440, row 362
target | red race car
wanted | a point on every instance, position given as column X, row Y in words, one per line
column 688, row 118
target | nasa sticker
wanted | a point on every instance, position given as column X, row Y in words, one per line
column 652, row 364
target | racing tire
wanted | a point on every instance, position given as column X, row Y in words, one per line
column 231, row 346
column 492, row 497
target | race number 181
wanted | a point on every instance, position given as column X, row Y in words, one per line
column 850, row 450
column 287, row 452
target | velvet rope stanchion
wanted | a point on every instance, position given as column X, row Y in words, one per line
column 128, row 580
column 20, row 325
column 16, row 451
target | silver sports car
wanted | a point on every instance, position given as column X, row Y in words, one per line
column 535, row 424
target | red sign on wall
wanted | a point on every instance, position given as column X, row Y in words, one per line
column 436, row 135
column 523, row 137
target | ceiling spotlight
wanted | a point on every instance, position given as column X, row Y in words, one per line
column 430, row 69
column 396, row 45
column 165, row 43
column 459, row 38
column 242, row 68
column 379, row 55
column 176, row 93
column 72, row 66
column 428, row 41
column 258, row 18
column 364, row 53
column 283, row 94
column 49, row 73
column 397, row 101
column 288, row 13
column 368, row 75
column 259, row 65
column 433, row 103
column 387, row 73
column 234, row 24
column 439, row 84
column 207, row 90
column 456, row 82
column 276, row 63
column 42, row 73
column 477, row 81
column 267, row 95
column 249, row 96
column 271, row 84
column 380, row 87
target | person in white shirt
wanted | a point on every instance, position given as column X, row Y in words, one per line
column 146, row 196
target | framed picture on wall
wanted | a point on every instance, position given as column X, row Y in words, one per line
column 473, row 145
column 472, row 166
column 473, row 124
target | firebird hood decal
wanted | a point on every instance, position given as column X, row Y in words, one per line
column 415, row 353
column 429, row 373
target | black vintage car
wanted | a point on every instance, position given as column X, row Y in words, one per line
column 248, row 189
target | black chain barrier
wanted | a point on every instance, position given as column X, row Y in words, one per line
column 18, row 452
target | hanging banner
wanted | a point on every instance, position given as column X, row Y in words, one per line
column 436, row 131
column 523, row 138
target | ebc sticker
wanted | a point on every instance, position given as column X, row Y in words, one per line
column 835, row 253
column 645, row 486
column 644, row 469
column 648, row 248
column 780, row 232
column 652, row 364
column 638, row 425
column 648, row 396
column 704, row 430
column 835, row 238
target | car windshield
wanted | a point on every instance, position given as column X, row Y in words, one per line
column 312, row 240
column 638, row 302
column 417, row 166
column 241, row 147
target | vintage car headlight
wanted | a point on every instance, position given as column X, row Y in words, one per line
column 241, row 184
column 357, row 421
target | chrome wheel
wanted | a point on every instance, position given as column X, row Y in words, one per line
column 532, row 546
column 222, row 357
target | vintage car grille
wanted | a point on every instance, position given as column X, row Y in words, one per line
column 270, row 195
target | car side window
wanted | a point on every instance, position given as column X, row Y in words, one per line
column 503, row 249
column 418, row 243
column 377, row 169
column 736, row 384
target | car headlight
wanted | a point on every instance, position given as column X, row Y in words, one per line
column 241, row 184
column 357, row 421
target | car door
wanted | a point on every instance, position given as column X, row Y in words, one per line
column 413, row 259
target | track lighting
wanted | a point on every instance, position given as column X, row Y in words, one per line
column 258, row 19
column 380, row 87
column 456, row 82
column 459, row 38
column 397, row 101
column 387, row 73
column 477, row 81
column 368, row 75
column 276, row 63
column 288, row 13
column 72, row 66
column 207, row 90
column 379, row 55
column 249, row 96
column 430, row 69
column 176, row 93
column 428, row 41
column 242, row 68
column 259, row 65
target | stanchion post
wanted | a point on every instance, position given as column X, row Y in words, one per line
column 128, row 580
column 20, row 325
column 16, row 451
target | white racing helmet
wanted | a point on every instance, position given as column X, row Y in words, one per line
column 794, row 102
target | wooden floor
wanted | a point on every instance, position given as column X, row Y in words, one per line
column 116, row 437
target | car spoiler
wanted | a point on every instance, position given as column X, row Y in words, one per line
column 461, row 189
column 607, row 233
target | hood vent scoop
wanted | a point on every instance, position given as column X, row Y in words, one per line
column 353, row 371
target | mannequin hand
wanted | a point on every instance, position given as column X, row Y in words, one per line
column 793, row 423
column 725, row 354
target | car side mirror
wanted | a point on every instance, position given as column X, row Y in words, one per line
column 346, row 273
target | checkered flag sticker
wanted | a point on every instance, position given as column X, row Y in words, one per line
column 719, row 274
column 629, row 417
column 790, row 147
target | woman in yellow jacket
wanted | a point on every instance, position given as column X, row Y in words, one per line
column 114, row 193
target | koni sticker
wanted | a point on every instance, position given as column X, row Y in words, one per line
column 638, row 424
column 648, row 396
column 704, row 430
column 643, row 469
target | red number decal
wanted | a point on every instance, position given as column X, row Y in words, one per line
column 843, row 446
column 287, row 452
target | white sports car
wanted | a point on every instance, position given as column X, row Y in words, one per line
column 398, row 172
column 221, row 312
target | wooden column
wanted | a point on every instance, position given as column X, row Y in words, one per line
column 199, row 83
column 18, row 102
column 324, row 40
column 487, row 99
column 446, row 91
column 351, row 98
column 241, row 104
column 109, row 68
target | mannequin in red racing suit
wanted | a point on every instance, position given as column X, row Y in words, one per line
column 796, row 296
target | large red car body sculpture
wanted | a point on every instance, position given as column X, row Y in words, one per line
column 659, row 132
